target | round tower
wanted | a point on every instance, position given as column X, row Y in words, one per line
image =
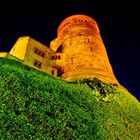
column 78, row 37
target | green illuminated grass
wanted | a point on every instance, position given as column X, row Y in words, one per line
column 34, row 105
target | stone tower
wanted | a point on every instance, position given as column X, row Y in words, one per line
column 78, row 37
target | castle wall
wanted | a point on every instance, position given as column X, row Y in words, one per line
column 37, row 56
column 3, row 54
column 19, row 48
column 85, row 54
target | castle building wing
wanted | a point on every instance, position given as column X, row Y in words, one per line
column 34, row 54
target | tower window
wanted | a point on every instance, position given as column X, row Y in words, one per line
column 43, row 54
column 52, row 72
column 92, row 49
column 58, row 57
column 60, row 48
column 54, row 57
column 72, row 61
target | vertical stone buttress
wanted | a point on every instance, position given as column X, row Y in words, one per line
column 78, row 37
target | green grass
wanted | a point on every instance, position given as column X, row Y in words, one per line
column 36, row 106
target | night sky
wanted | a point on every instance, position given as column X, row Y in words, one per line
column 118, row 22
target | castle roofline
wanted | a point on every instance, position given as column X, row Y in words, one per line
column 78, row 18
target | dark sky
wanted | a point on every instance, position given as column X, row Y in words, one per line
column 118, row 22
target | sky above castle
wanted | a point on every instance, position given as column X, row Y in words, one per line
column 118, row 22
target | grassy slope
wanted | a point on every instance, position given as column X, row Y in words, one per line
column 34, row 105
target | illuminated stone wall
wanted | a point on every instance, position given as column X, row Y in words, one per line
column 78, row 37
column 34, row 54
column 3, row 54
column 19, row 48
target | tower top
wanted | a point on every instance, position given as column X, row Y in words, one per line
column 79, row 19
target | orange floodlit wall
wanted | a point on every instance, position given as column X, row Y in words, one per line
column 78, row 37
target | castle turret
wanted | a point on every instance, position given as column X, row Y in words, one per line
column 78, row 37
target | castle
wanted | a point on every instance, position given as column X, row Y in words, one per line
column 77, row 53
